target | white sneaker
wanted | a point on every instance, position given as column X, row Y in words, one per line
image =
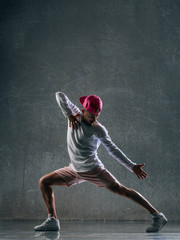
column 159, row 220
column 51, row 224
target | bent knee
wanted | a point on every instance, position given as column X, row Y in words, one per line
column 118, row 188
column 43, row 181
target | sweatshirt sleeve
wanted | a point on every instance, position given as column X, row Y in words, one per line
column 66, row 106
column 114, row 151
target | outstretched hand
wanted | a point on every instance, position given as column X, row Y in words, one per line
column 73, row 122
column 137, row 169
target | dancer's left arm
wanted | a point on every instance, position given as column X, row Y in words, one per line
column 116, row 153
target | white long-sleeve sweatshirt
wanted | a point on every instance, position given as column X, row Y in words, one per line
column 84, row 141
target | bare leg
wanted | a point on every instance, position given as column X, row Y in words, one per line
column 45, row 184
column 133, row 195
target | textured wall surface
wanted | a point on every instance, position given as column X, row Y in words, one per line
column 125, row 51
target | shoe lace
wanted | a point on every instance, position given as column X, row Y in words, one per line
column 47, row 220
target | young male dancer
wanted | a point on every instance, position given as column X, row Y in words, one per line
column 84, row 136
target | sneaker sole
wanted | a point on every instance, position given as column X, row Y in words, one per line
column 165, row 221
column 46, row 230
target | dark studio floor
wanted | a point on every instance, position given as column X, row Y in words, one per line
column 94, row 230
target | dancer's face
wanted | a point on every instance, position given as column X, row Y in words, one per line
column 90, row 117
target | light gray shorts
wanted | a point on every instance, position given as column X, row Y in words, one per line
column 98, row 176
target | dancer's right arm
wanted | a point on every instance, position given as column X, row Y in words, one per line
column 66, row 106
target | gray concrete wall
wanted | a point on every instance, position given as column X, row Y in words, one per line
column 125, row 51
